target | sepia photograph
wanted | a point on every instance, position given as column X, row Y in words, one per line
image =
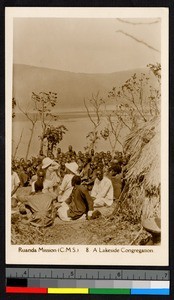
column 87, row 136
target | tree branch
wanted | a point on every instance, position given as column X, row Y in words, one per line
column 141, row 114
column 89, row 115
column 121, row 119
column 17, row 146
column 27, row 115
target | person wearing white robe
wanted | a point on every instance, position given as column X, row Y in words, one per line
column 15, row 183
column 51, row 179
column 102, row 191
column 66, row 187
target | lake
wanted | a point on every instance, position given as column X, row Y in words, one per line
column 78, row 127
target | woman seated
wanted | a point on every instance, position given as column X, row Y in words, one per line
column 51, row 179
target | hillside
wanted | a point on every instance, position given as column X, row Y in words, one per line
column 71, row 87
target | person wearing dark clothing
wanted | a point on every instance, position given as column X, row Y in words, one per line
column 23, row 176
column 79, row 203
column 116, row 178
column 38, row 184
column 70, row 152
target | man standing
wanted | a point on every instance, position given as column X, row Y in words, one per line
column 102, row 191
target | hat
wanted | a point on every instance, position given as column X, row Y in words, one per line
column 73, row 167
column 46, row 162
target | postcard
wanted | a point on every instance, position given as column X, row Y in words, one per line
column 87, row 136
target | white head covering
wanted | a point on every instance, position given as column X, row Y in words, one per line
column 73, row 167
column 46, row 162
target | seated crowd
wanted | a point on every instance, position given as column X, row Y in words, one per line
column 78, row 183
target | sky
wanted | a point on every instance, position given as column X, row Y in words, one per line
column 86, row 45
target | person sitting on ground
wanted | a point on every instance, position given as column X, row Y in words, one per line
column 62, row 170
column 86, row 167
column 88, row 183
column 22, row 173
column 73, row 158
column 79, row 204
column 115, row 175
column 37, row 185
column 59, row 152
column 120, row 157
column 102, row 191
column 80, row 168
column 39, row 209
column 50, row 154
column 15, row 184
column 92, row 171
column 65, row 188
column 70, row 151
column 51, row 179
column 68, row 158
column 92, row 153
column 80, row 155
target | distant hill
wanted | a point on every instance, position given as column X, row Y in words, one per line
column 71, row 87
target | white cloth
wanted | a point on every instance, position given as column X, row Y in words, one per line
column 15, row 181
column 103, row 192
column 48, row 185
column 99, row 202
column 33, row 186
column 51, row 178
column 65, row 188
column 51, row 172
column 62, row 212
column 48, row 188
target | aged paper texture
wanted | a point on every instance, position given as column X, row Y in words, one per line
column 87, row 88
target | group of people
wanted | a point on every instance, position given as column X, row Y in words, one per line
column 78, row 183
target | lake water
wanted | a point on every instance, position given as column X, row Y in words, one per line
column 78, row 128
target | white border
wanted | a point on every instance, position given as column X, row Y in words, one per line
column 81, row 257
